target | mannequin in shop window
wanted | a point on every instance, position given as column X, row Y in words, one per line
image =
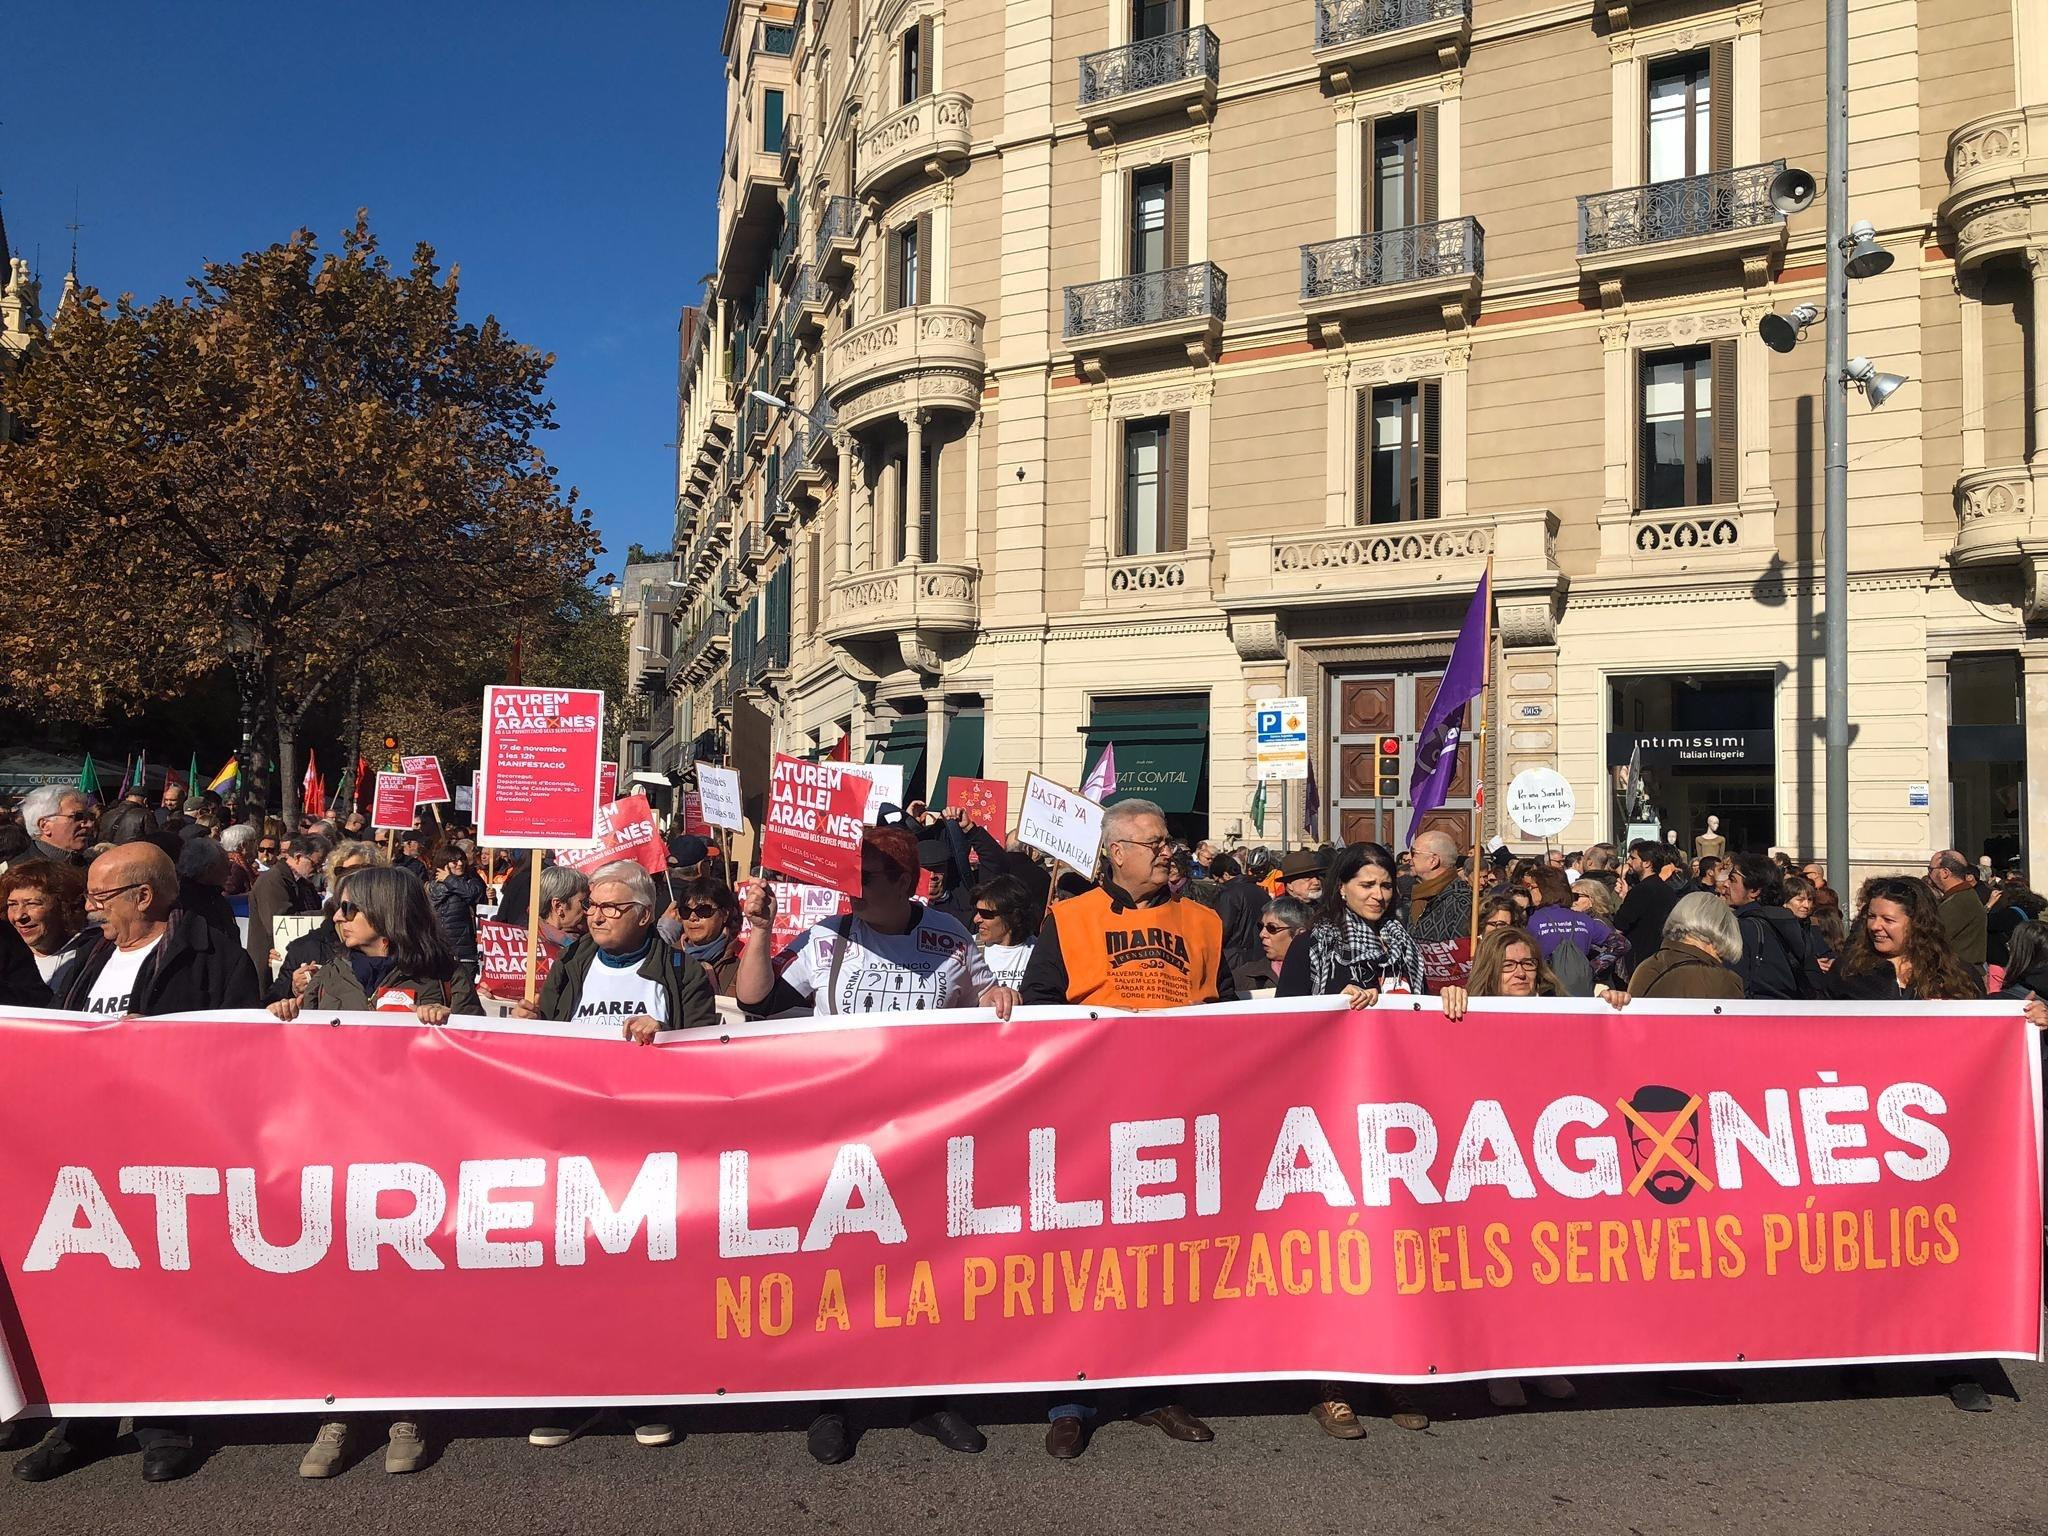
column 1710, row 844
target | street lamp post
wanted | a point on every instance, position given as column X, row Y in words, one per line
column 1835, row 434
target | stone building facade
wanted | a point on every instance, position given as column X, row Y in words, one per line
column 1083, row 371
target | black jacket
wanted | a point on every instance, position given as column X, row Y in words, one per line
column 691, row 1004
column 454, row 903
column 1239, row 903
column 209, row 905
column 194, row 968
column 516, row 892
column 335, row 988
column 1643, row 913
column 316, row 949
column 1774, row 959
column 21, row 984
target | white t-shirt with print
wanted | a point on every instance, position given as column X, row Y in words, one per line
column 934, row 965
column 1006, row 962
column 114, row 988
column 613, row 994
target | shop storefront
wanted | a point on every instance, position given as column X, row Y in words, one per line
column 1162, row 754
column 1695, row 745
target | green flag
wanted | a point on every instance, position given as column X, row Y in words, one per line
column 192, row 776
column 89, row 779
column 1259, row 809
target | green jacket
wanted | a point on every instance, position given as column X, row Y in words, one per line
column 335, row 987
column 691, row 1004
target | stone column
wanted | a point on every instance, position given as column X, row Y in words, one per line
column 1970, row 305
column 842, row 442
column 1337, row 441
column 2037, row 344
column 2034, row 696
column 1940, row 814
column 938, row 725
column 970, row 481
column 913, row 488
column 888, row 504
column 1616, row 495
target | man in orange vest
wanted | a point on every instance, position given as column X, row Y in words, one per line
column 1129, row 943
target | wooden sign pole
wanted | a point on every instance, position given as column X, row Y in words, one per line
column 533, row 925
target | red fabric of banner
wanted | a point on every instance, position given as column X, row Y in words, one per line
column 945, row 1204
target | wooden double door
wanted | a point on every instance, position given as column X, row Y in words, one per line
column 1364, row 708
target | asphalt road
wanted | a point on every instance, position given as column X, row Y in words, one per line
column 1795, row 1454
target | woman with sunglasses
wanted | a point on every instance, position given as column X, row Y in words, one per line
column 394, row 956
column 704, row 923
column 889, row 954
column 1005, row 926
column 1281, row 924
column 304, row 956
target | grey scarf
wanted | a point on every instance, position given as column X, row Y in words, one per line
column 1353, row 953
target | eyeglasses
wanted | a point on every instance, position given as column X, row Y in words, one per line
column 986, row 914
column 101, row 898
column 700, row 909
column 610, row 909
column 1274, row 928
column 1152, row 845
column 1519, row 965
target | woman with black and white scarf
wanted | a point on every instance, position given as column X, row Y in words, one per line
column 1359, row 946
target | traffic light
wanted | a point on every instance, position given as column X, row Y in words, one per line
column 390, row 743
column 1388, row 768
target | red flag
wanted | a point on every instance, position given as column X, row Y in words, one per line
column 842, row 751
column 312, row 797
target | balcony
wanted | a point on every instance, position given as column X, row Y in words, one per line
column 785, row 248
column 732, row 577
column 926, row 356
column 923, row 137
column 1695, row 221
column 1996, row 185
column 1161, row 75
column 1170, row 579
column 811, row 472
column 783, row 356
column 900, row 604
column 707, row 648
column 1182, row 307
column 1355, row 36
column 712, row 537
column 807, row 303
column 777, row 40
column 2000, row 523
column 1425, row 265
column 1674, row 541
column 838, row 239
column 1379, row 563
column 749, row 205
column 792, row 150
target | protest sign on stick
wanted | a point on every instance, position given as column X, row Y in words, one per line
column 426, row 774
column 501, row 958
column 812, row 829
column 392, row 809
column 540, row 767
column 720, row 788
column 625, row 833
column 885, row 786
column 1058, row 821
column 607, row 782
column 986, row 800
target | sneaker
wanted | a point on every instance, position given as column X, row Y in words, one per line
column 654, row 1432
column 323, row 1457
column 1556, row 1389
column 1403, row 1411
column 560, row 1431
column 1338, row 1420
column 406, row 1450
column 1506, row 1392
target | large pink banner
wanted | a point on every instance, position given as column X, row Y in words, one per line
column 214, row 1213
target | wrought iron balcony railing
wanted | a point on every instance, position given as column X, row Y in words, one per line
column 1420, row 253
column 1146, row 65
column 824, row 419
column 1685, row 209
column 1148, row 298
column 1348, row 21
column 773, row 39
column 835, row 222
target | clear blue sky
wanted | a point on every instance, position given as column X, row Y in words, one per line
column 565, row 155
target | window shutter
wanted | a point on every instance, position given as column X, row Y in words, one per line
column 1721, row 106
column 925, row 257
column 1177, row 216
column 1726, row 443
column 1642, row 432
column 1432, row 444
column 928, row 504
column 1361, row 466
column 1367, row 225
column 892, row 270
column 924, row 57
column 1176, row 482
column 1425, row 165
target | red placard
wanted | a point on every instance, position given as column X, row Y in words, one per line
column 501, row 959
column 625, row 831
column 856, row 1207
column 607, row 782
column 426, row 774
column 812, row 828
column 391, row 809
column 690, row 820
column 541, row 751
column 986, row 800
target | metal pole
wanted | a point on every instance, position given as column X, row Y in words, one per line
column 1835, row 429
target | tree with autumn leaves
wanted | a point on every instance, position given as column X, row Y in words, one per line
column 308, row 467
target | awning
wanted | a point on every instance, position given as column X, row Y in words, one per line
column 961, row 758
column 903, row 744
column 1162, row 749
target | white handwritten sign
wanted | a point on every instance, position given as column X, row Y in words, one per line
column 720, row 788
column 1540, row 802
column 1062, row 823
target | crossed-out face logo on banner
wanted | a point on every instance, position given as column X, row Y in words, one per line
column 956, row 1203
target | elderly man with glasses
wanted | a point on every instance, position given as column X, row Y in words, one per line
column 621, row 981
column 60, row 823
column 284, row 889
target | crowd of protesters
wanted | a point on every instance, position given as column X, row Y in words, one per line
column 128, row 912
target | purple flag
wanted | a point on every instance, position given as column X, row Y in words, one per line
column 1312, row 809
column 1436, row 746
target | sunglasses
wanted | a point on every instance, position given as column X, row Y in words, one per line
column 346, row 911
column 266, row 847
column 986, row 914
column 1274, row 928
column 700, row 909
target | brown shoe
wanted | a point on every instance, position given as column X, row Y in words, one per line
column 1176, row 1423
column 1338, row 1420
column 1403, row 1411
column 1066, row 1438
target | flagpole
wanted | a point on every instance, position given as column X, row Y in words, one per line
column 1479, row 753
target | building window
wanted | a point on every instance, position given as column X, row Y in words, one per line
column 928, row 501
column 1677, row 413
column 1397, row 452
column 1157, row 18
column 1681, row 116
column 771, row 122
column 1394, row 158
column 1144, row 510
column 1151, row 194
column 915, row 78
column 906, row 279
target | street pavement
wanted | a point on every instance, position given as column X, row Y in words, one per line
column 1795, row 1454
